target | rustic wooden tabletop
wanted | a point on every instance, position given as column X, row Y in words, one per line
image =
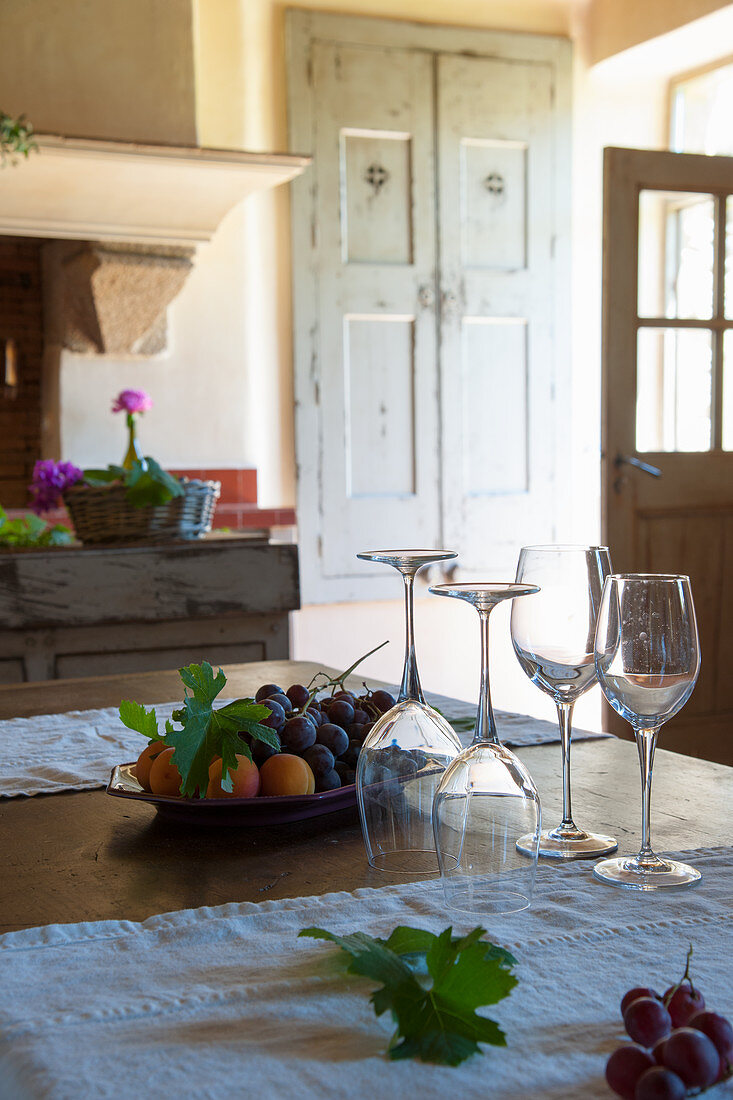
column 86, row 856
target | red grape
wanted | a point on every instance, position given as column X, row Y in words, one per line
column 683, row 1003
column 267, row 690
column 635, row 993
column 382, row 700
column 333, row 737
column 347, row 695
column 298, row 695
column 341, row 713
column 647, row 1021
column 659, row 1083
column 298, row 734
column 276, row 718
column 692, row 1056
column 720, row 1033
column 319, row 759
column 331, row 781
column 717, row 1029
column 658, row 1051
column 625, row 1067
column 281, row 698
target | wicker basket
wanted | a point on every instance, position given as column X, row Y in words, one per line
column 103, row 514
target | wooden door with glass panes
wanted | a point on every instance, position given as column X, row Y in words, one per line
column 668, row 404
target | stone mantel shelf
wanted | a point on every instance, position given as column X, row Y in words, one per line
column 88, row 189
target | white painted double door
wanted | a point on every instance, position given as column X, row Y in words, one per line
column 428, row 290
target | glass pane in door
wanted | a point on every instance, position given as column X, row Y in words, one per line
column 728, row 391
column 676, row 255
column 673, row 390
column 728, row 286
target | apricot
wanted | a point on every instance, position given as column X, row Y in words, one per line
column 245, row 779
column 141, row 770
column 165, row 777
column 285, row 774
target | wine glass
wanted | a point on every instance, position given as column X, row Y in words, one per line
column 486, row 799
column 648, row 659
column 553, row 640
column 405, row 753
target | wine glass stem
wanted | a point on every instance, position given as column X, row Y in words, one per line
column 565, row 719
column 646, row 742
column 410, row 687
column 485, row 724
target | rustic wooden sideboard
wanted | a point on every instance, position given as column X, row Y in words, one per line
column 87, row 611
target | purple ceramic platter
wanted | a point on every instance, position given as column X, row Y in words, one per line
column 232, row 811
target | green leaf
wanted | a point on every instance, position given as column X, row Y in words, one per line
column 147, row 483
column 103, row 477
column 137, row 718
column 465, row 724
column 31, row 530
column 173, row 484
column 207, row 733
column 436, row 1020
column 195, row 747
column 202, row 682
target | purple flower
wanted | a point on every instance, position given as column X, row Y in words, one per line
column 50, row 479
column 132, row 401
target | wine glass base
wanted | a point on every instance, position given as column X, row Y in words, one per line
column 624, row 871
column 406, row 861
column 582, row 846
column 487, row 900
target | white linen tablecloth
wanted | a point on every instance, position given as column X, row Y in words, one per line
column 227, row 1002
column 77, row 750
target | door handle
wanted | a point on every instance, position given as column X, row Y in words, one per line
column 630, row 460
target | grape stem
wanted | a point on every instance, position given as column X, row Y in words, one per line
column 685, row 978
column 337, row 681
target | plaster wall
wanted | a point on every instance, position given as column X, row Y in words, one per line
column 97, row 68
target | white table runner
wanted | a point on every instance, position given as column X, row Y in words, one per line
column 77, row 750
column 227, row 1002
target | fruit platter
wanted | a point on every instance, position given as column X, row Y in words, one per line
column 287, row 754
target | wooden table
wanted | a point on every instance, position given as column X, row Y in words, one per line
column 86, row 856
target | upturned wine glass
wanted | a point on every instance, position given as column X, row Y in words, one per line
column 648, row 659
column 553, row 638
column 405, row 753
column 486, row 799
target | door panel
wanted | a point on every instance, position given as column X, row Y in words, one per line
column 663, row 387
column 495, row 156
column 378, row 417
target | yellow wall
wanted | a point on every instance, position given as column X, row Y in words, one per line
column 616, row 25
column 100, row 68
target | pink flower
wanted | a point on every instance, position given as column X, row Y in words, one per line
column 132, row 401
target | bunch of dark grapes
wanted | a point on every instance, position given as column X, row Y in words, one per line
column 327, row 732
column 678, row 1049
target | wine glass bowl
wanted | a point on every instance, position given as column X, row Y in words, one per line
column 552, row 637
column 405, row 753
column 647, row 657
column 486, row 799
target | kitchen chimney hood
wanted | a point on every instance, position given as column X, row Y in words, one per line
column 84, row 189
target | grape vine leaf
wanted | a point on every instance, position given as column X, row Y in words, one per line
column 432, row 986
column 206, row 733
column 137, row 718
